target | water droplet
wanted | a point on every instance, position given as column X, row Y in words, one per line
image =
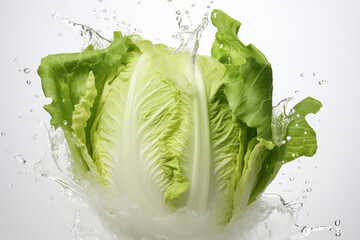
column 35, row 137
column 321, row 82
column 100, row 0
column 44, row 174
column 138, row 30
column 60, row 34
column 15, row 60
column 37, row 96
column 51, row 199
column 296, row 125
column 305, row 132
column 54, row 147
column 298, row 115
column 177, row 12
column 192, row 5
column 138, row 2
column 291, row 179
column 293, row 155
column 65, row 122
column 211, row 1
column 314, row 73
column 20, row 159
column 307, row 182
column 338, row 234
column 30, row 110
column 10, row 185
column 304, row 140
column 208, row 6
column 302, row 74
column 308, row 189
column 28, row 82
column 337, row 222
column 169, row 0
column 186, row 12
column 63, row 100
column 104, row 10
column 26, row 70
column 297, row 91
column 283, row 142
column 299, row 167
column 288, row 138
column 2, row 133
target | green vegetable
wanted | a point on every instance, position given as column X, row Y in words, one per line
column 170, row 131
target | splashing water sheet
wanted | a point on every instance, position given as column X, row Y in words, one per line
column 100, row 215
column 105, row 209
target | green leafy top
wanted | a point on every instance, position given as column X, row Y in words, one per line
column 248, row 77
column 248, row 88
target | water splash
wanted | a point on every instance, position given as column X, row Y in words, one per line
column 280, row 121
column 306, row 231
column 103, row 215
column 90, row 35
column 189, row 40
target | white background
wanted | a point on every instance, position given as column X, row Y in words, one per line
column 297, row 36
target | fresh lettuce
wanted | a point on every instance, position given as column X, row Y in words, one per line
column 172, row 130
